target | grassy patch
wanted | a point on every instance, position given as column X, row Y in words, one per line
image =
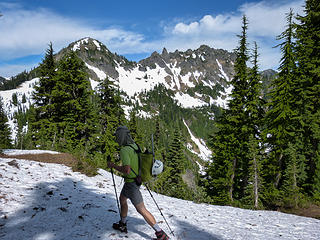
column 78, row 164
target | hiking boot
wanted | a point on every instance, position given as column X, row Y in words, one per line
column 120, row 226
column 161, row 235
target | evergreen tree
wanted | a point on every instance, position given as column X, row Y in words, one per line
column 43, row 90
column 175, row 157
column 255, row 115
column 42, row 128
column 109, row 112
column 294, row 176
column 176, row 162
column 133, row 126
column 220, row 172
column 308, row 89
column 228, row 173
column 15, row 99
column 281, row 126
column 157, row 133
column 254, row 188
column 74, row 117
column 5, row 139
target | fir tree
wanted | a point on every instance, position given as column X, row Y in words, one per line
column 228, row 173
column 109, row 112
column 43, row 134
column 255, row 115
column 308, row 89
column 254, row 188
column 15, row 99
column 5, row 132
column 133, row 126
column 176, row 162
column 281, row 126
column 42, row 95
column 294, row 176
column 220, row 172
column 73, row 120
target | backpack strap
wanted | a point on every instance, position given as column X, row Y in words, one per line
column 137, row 151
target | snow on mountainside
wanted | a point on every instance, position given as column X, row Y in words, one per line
column 45, row 201
column 198, row 78
column 178, row 71
column 25, row 89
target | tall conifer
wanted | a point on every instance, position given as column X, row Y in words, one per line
column 228, row 173
column 5, row 139
column 308, row 89
column 39, row 129
column 109, row 112
column 72, row 103
column 280, row 122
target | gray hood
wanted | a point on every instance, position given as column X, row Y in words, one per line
column 123, row 136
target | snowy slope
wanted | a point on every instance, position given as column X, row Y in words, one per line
column 49, row 201
column 26, row 89
column 131, row 83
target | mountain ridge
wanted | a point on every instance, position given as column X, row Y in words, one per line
column 196, row 79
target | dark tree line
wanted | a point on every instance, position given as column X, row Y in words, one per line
column 266, row 153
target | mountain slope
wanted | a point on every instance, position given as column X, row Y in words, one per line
column 195, row 82
column 178, row 71
column 196, row 79
column 49, row 201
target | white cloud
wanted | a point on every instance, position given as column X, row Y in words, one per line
column 25, row 32
column 266, row 21
column 28, row 32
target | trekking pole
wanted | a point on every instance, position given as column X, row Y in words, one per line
column 153, row 155
column 115, row 190
column 114, row 185
column 159, row 209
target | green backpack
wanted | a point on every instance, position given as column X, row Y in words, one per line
column 145, row 165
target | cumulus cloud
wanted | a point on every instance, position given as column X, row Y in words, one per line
column 28, row 32
column 266, row 21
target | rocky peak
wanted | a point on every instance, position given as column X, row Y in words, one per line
column 96, row 56
column 212, row 64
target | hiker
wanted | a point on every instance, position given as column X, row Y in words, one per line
column 131, row 190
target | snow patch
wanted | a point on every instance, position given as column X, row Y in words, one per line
column 93, row 83
column 205, row 152
column 26, row 88
column 97, row 45
column 11, row 152
column 101, row 74
column 77, row 45
column 186, row 101
column 37, row 200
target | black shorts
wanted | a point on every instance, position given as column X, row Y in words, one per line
column 132, row 191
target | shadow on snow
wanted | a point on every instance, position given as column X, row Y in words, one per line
column 65, row 210
column 188, row 231
column 70, row 210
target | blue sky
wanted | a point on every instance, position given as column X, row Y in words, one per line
column 135, row 29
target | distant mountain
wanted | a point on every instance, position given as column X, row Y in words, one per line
column 197, row 71
column 189, row 87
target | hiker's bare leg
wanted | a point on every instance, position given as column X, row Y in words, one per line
column 146, row 214
column 124, row 206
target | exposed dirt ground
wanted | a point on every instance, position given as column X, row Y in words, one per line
column 61, row 158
